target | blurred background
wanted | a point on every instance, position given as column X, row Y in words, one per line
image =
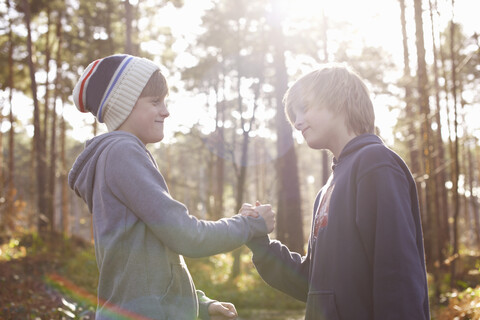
column 228, row 65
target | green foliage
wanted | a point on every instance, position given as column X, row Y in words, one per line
column 32, row 284
column 461, row 305
column 248, row 291
column 33, row 270
column 12, row 250
column 82, row 270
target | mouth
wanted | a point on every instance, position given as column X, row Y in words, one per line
column 159, row 121
column 303, row 131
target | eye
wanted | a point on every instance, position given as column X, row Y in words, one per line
column 300, row 108
column 156, row 101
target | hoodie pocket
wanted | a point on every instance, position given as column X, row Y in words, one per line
column 180, row 301
column 321, row 306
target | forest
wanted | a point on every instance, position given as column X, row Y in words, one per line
column 228, row 65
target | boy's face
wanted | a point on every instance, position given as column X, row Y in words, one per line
column 320, row 127
column 146, row 119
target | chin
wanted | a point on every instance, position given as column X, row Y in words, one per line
column 314, row 145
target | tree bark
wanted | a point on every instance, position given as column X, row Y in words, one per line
column 431, row 234
column 53, row 133
column 289, row 213
column 40, row 161
column 446, row 227
column 65, row 215
column 242, row 172
column 474, row 175
column 128, row 24
column 439, row 174
column 49, row 187
column 410, row 112
column 9, row 210
column 220, row 161
column 108, row 26
column 3, row 190
column 456, row 164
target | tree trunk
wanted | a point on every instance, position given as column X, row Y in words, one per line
column 40, row 164
column 46, row 104
column 242, row 173
column 3, row 190
column 9, row 210
column 474, row 173
column 446, row 227
column 289, row 213
column 49, row 188
column 128, row 24
column 439, row 174
column 431, row 234
column 410, row 112
column 475, row 225
column 53, row 133
column 456, row 171
column 108, row 27
column 220, row 163
column 65, row 215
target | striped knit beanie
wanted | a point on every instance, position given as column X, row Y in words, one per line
column 110, row 87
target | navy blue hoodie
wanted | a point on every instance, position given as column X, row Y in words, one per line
column 365, row 256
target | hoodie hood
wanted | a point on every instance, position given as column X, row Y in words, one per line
column 356, row 144
column 81, row 177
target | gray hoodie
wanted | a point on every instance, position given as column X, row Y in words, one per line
column 141, row 232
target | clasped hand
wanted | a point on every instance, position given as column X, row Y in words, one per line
column 263, row 210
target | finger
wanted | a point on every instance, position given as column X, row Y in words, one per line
column 247, row 205
column 230, row 307
column 250, row 214
column 257, row 203
column 247, row 210
column 226, row 311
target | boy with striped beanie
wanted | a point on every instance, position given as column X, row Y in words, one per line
column 110, row 87
column 141, row 232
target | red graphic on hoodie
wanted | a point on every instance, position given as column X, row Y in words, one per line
column 321, row 218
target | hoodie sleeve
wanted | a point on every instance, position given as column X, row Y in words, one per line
column 203, row 303
column 390, row 233
column 279, row 267
column 133, row 178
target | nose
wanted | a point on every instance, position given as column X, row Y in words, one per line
column 299, row 121
column 164, row 110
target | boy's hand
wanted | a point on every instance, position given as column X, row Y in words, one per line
column 222, row 311
column 248, row 210
column 265, row 210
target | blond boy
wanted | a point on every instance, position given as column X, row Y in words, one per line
column 365, row 258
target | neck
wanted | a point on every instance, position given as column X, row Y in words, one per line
column 341, row 142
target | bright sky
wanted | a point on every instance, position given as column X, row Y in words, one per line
column 377, row 21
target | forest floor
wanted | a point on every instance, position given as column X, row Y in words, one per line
column 28, row 290
column 51, row 283
column 34, row 281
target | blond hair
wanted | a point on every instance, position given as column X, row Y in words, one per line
column 338, row 88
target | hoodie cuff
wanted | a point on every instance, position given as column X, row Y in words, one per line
column 258, row 245
column 203, row 304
